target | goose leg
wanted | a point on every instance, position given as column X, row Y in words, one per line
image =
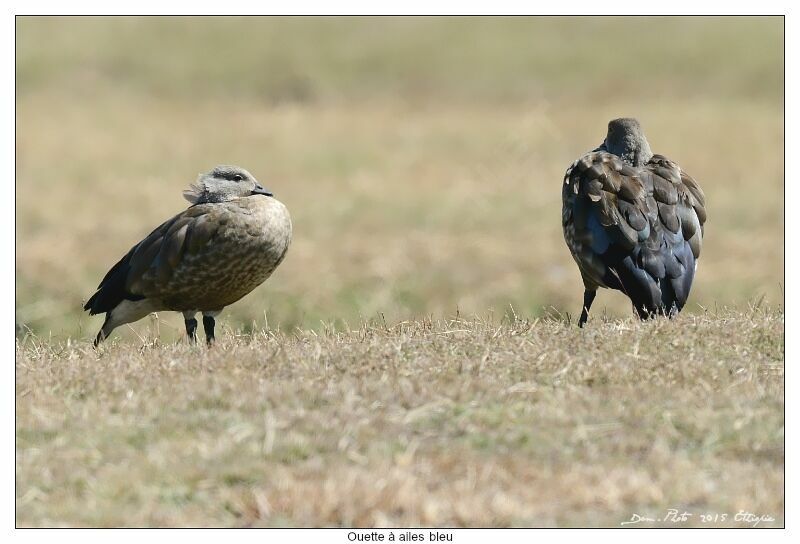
column 643, row 313
column 588, row 298
column 191, row 326
column 208, row 326
column 191, row 329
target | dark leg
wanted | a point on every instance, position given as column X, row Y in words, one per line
column 191, row 329
column 99, row 338
column 643, row 313
column 208, row 327
column 588, row 298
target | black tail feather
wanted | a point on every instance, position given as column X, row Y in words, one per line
column 654, row 290
column 675, row 290
column 640, row 287
column 111, row 290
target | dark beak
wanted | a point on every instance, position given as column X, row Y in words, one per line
column 259, row 190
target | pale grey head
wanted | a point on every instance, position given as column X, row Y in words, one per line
column 223, row 184
column 626, row 139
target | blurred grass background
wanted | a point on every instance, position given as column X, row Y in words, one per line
column 421, row 158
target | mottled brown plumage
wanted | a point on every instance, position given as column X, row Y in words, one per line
column 633, row 221
column 201, row 260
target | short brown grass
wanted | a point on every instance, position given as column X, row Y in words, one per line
column 456, row 423
column 421, row 160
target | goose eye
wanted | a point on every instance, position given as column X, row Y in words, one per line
column 237, row 177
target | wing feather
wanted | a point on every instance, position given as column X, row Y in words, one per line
column 638, row 230
column 152, row 262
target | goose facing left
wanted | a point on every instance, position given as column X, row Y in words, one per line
column 227, row 243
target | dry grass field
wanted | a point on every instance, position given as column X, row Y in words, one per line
column 421, row 159
column 429, row 423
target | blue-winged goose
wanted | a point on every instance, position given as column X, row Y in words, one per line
column 633, row 221
column 209, row 256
